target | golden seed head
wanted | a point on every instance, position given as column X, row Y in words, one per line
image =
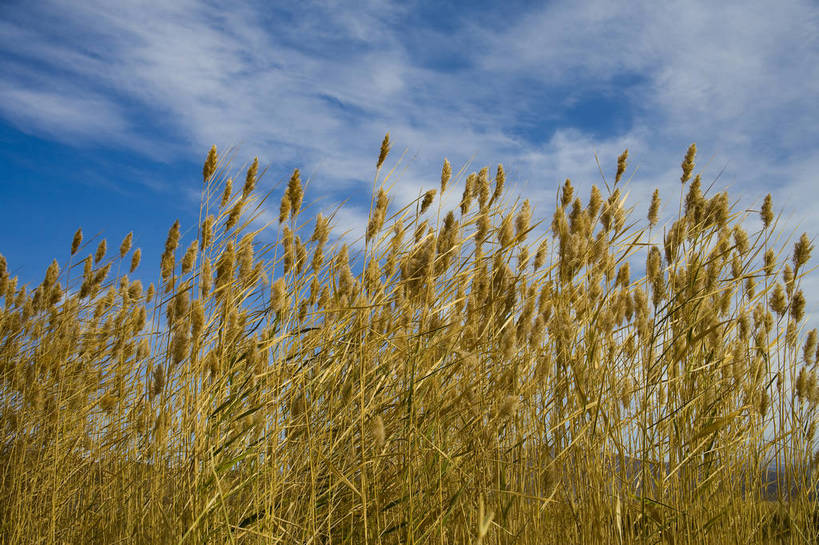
column 595, row 200
column 801, row 381
column 135, row 290
column 322, row 230
column 505, row 233
column 301, row 255
column 278, row 295
column 653, row 263
column 210, row 165
column 560, row 227
column 52, row 273
column 740, row 239
column 482, row 188
column 172, row 242
column 466, row 199
column 421, row 230
column 207, row 231
column 381, row 203
column 623, row 275
column 770, row 262
column 224, row 267
column 234, row 215
column 295, row 192
column 809, row 349
column 568, row 194
column 206, row 277
column 100, row 253
column 189, row 258
column 377, row 216
column 787, row 276
column 75, row 243
column 446, row 174
column 523, row 220
column 284, row 209
column 397, row 234
column 158, row 381
column 226, row 193
column 621, row 166
column 767, row 211
column 372, row 275
column 126, row 244
column 385, row 149
column 318, row 259
column 654, row 208
column 181, row 303
column 718, row 210
column 694, row 201
column 777, row 302
column 427, row 200
column 540, row 255
column 801, row 251
column 500, row 180
column 197, row 318
column 798, row 306
column 688, row 163
column 287, row 243
column 250, row 178
column 523, row 258
column 750, row 287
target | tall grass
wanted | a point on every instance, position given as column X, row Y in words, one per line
column 455, row 379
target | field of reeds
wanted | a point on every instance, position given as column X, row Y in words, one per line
column 488, row 374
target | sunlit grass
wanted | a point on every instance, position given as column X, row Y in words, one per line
column 455, row 378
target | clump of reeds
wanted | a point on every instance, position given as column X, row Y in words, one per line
column 485, row 374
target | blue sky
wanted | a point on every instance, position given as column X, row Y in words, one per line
column 107, row 109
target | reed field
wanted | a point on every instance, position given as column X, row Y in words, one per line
column 488, row 374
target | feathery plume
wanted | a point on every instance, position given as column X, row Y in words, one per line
column 295, row 192
column 523, row 220
column 466, row 199
column 278, row 295
column 427, row 200
column 250, row 178
column 207, row 231
column 210, row 165
column 568, row 193
column 75, row 243
column 226, row 194
column 654, row 208
column 189, row 257
column 621, row 166
column 446, row 174
column 482, row 188
column 500, row 180
column 135, row 259
column 801, row 251
column 126, row 244
column 100, row 253
column 385, row 149
column 767, row 211
column 688, row 163
column 595, row 200
column 284, row 208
